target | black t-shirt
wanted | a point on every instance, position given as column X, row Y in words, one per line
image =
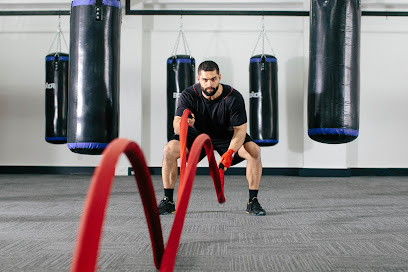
column 214, row 117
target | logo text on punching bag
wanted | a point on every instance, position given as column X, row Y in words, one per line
column 49, row 85
column 255, row 95
column 176, row 95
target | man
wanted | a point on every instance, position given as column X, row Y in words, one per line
column 219, row 111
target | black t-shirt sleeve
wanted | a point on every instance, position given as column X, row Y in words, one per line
column 237, row 109
column 184, row 102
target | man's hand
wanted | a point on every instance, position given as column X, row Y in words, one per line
column 177, row 121
column 191, row 120
column 226, row 159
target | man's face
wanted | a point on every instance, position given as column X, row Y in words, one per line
column 209, row 82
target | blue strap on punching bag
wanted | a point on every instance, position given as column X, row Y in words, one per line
column 93, row 116
column 181, row 59
column 334, row 71
column 113, row 3
column 60, row 57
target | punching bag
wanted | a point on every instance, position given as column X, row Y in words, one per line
column 334, row 71
column 180, row 75
column 56, row 97
column 263, row 100
column 93, row 115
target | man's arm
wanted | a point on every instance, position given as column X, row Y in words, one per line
column 238, row 138
column 236, row 142
column 177, row 122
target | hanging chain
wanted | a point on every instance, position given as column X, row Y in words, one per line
column 177, row 41
column 57, row 38
column 270, row 45
column 259, row 37
column 59, row 34
column 263, row 36
column 183, row 37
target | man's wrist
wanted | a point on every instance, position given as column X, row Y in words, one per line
column 227, row 158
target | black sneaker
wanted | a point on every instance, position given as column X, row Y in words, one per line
column 166, row 206
column 254, row 208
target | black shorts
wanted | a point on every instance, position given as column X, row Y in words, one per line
column 220, row 145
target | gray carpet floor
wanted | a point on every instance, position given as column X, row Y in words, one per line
column 312, row 224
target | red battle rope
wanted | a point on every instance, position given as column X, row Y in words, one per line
column 89, row 234
column 216, row 175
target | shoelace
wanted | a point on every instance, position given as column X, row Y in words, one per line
column 256, row 204
column 166, row 200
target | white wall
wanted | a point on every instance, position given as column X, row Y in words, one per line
column 384, row 93
column 147, row 41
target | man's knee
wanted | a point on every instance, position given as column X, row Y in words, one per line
column 251, row 151
column 172, row 150
column 255, row 151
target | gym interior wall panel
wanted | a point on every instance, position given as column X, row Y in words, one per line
column 131, row 78
column 35, row 5
column 384, row 93
column 318, row 155
column 131, row 104
column 227, row 5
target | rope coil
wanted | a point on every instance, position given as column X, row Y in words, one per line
column 93, row 215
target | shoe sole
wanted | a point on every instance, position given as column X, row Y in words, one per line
column 167, row 213
column 256, row 214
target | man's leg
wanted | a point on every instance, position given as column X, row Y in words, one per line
column 251, row 152
column 169, row 176
column 169, row 164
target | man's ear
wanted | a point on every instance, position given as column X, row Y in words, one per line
column 198, row 78
column 219, row 76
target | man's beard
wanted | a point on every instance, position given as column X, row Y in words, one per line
column 210, row 88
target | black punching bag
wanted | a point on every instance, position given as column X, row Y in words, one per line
column 93, row 115
column 334, row 71
column 56, row 97
column 180, row 75
column 263, row 100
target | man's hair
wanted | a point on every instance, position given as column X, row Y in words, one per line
column 208, row 66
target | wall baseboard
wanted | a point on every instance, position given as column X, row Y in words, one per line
column 58, row 170
column 302, row 172
column 305, row 172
